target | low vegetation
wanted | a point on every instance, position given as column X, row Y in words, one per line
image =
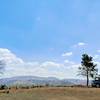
column 53, row 93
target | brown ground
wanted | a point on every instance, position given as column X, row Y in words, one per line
column 58, row 93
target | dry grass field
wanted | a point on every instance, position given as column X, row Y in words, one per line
column 59, row 93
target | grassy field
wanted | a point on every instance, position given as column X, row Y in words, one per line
column 67, row 93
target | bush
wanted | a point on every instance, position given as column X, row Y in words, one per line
column 2, row 87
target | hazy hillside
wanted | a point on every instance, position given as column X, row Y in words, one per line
column 33, row 80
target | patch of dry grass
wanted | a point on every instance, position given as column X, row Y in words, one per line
column 61, row 93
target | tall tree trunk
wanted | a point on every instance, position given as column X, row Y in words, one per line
column 87, row 79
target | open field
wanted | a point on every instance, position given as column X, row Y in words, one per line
column 59, row 93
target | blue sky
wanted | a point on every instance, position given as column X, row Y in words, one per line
column 44, row 30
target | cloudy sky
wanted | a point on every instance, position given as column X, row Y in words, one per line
column 48, row 37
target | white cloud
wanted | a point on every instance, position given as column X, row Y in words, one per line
column 50, row 64
column 9, row 57
column 80, row 44
column 67, row 54
column 96, row 57
column 69, row 62
column 15, row 66
column 98, row 51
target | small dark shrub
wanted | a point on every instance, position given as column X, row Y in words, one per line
column 2, row 87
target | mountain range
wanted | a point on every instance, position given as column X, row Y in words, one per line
column 34, row 80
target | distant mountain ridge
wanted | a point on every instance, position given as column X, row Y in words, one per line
column 34, row 80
